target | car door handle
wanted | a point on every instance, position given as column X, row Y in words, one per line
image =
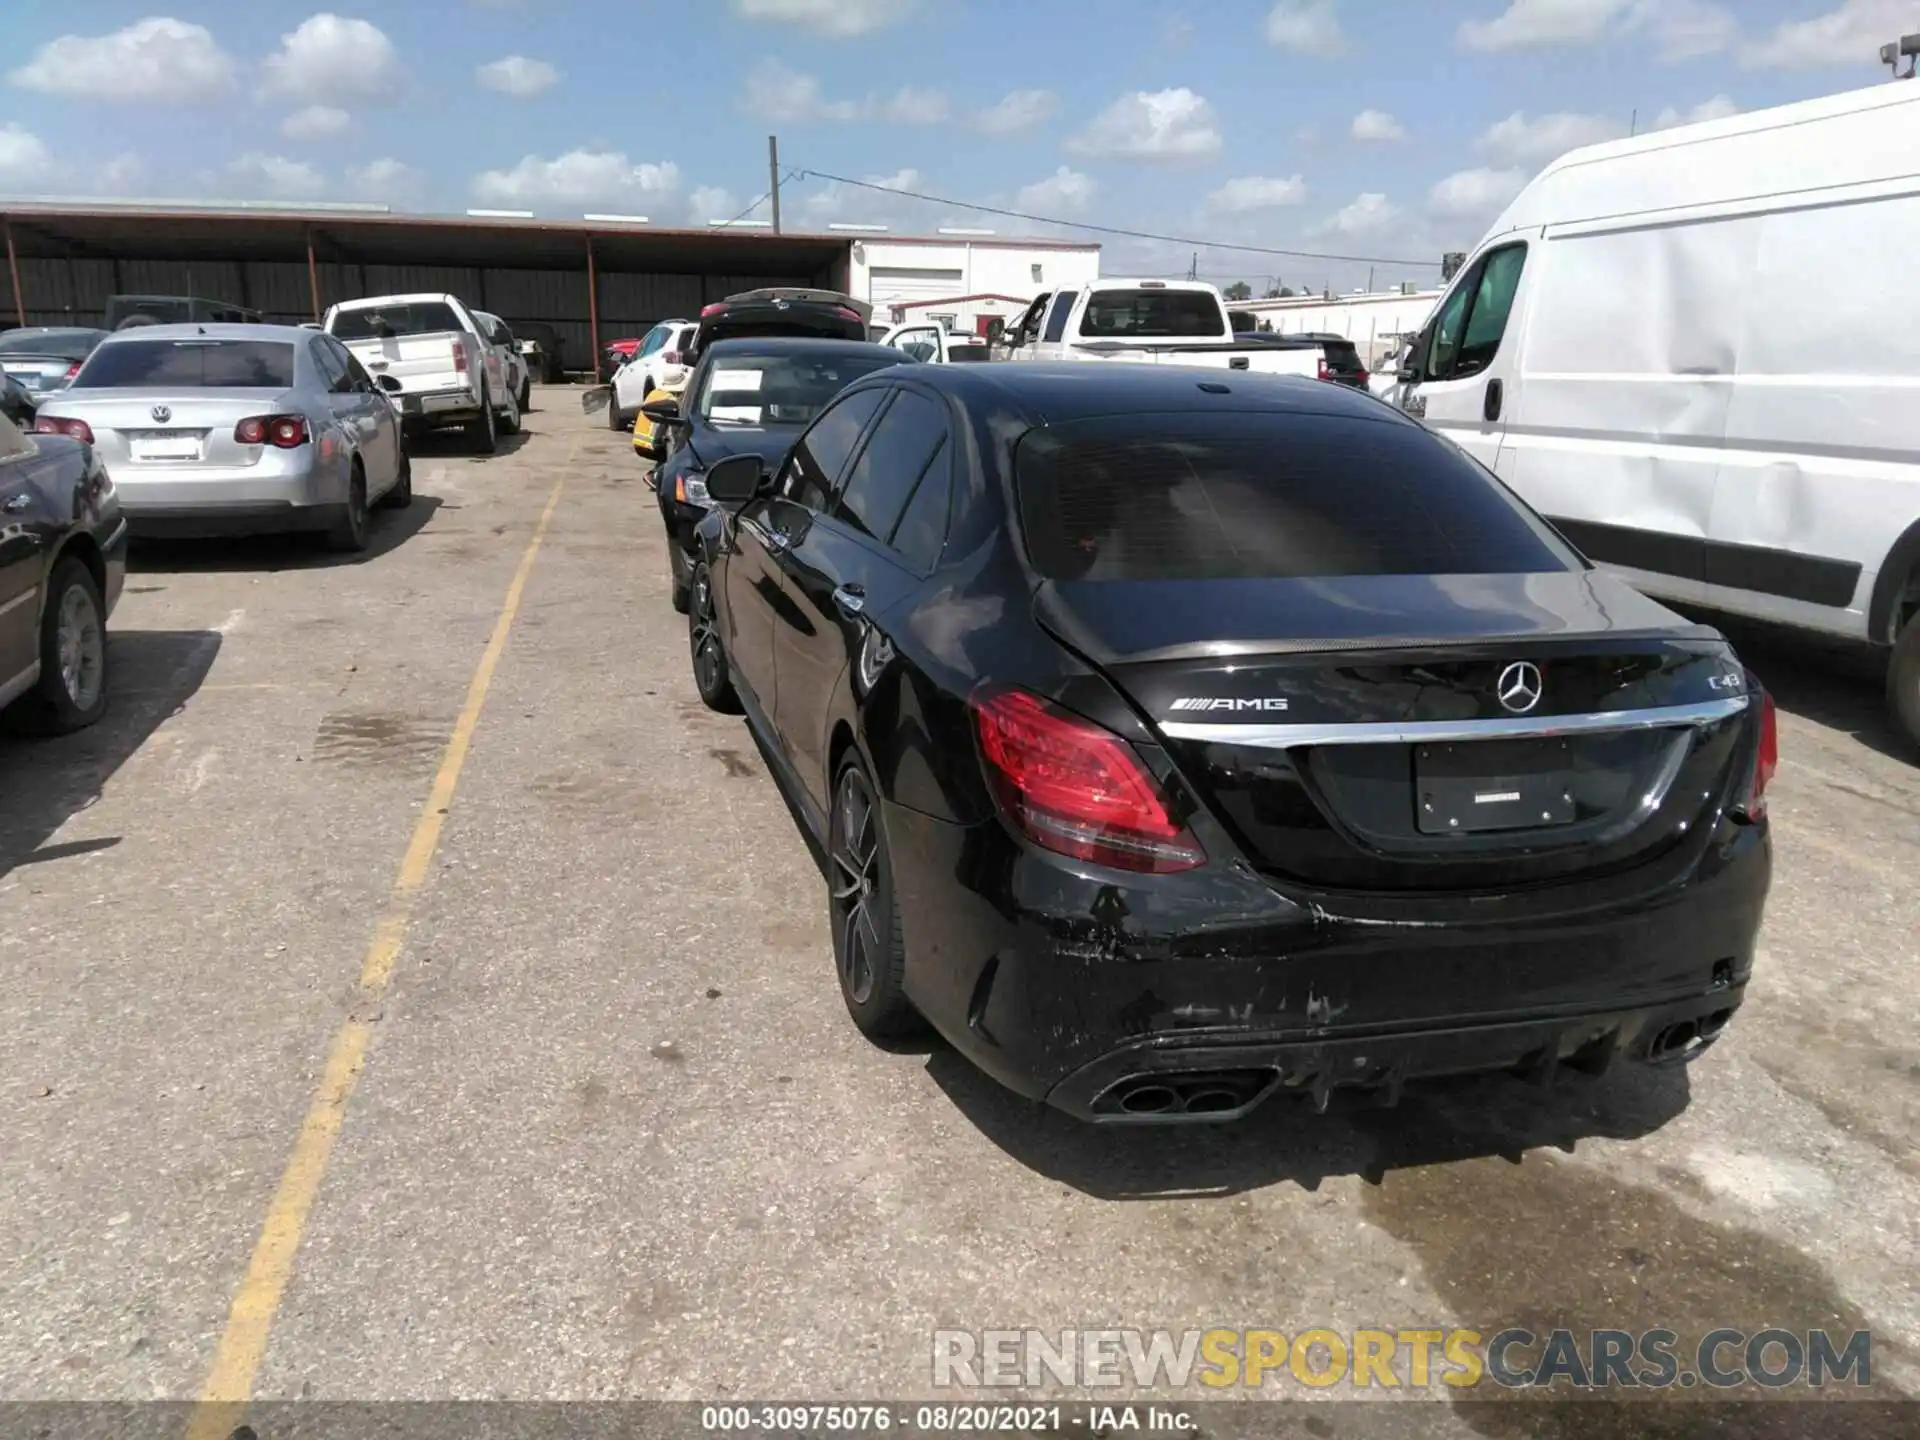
column 16, row 503
column 851, row 599
column 778, row 542
column 1496, row 393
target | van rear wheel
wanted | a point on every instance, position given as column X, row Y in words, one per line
column 1903, row 680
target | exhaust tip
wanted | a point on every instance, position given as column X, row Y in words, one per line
column 1149, row 1100
column 1214, row 1100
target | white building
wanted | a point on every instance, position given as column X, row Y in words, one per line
column 1375, row 322
column 964, row 279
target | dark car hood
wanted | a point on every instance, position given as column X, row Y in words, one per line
column 1116, row 622
column 714, row 443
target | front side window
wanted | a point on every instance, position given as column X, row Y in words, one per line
column 822, row 453
column 1473, row 318
column 890, row 466
column 1249, row 495
column 656, row 338
column 1153, row 315
column 188, row 364
column 1057, row 317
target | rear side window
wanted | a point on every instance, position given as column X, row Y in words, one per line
column 1266, row 496
column 822, row 453
column 416, row 317
column 884, row 477
column 63, row 344
column 332, row 371
column 188, row 364
column 1152, row 315
column 1057, row 317
column 922, row 532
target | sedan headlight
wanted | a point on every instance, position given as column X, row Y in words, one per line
column 690, row 490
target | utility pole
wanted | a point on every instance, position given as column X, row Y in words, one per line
column 1633, row 125
column 1369, row 279
column 1193, row 267
column 773, row 173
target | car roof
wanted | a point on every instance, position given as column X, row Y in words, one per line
column 801, row 345
column 1047, row 393
column 212, row 330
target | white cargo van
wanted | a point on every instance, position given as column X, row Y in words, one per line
column 1694, row 352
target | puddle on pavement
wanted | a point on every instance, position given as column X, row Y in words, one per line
column 1549, row 1244
column 368, row 740
column 609, row 794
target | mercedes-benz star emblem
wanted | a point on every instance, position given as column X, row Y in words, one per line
column 163, row 413
column 1520, row 686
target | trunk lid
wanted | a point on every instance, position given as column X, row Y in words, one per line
column 1350, row 732
column 38, row 374
column 418, row 362
column 195, row 431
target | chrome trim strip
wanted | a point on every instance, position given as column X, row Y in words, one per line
column 1419, row 732
column 11, row 690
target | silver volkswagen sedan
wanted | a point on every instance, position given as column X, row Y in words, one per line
column 236, row 429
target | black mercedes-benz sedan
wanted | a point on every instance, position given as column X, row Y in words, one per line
column 745, row 397
column 1170, row 741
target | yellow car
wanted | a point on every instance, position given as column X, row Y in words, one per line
column 644, row 443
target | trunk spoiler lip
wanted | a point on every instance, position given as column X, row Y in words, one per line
column 1333, row 648
column 1420, row 732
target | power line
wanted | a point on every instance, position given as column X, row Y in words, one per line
column 1114, row 229
column 790, row 175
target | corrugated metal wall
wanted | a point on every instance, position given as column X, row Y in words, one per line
column 74, row 292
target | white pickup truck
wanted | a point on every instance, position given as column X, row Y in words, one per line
column 448, row 371
column 1171, row 322
column 936, row 345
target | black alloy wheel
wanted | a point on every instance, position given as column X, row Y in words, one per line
column 707, row 650
column 868, row 951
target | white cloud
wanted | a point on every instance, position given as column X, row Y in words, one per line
column 578, row 177
column 1474, row 194
column 781, row 95
column 1257, row 192
column 154, row 61
column 1517, row 140
column 1537, row 24
column 1065, row 192
column 24, row 157
column 1718, row 108
column 840, row 19
column 384, row 179
column 518, row 76
column 330, row 58
column 1369, row 214
column 1680, row 29
column 1306, row 27
column 1847, row 36
column 712, row 202
column 911, row 105
column 858, row 202
column 1017, row 111
column 1377, row 125
column 274, row 175
column 1152, row 125
column 124, row 174
column 316, row 122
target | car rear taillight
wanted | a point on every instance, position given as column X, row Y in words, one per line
column 719, row 307
column 283, row 432
column 1362, row 378
column 1323, row 372
column 1074, row 788
column 62, row 425
column 459, row 357
column 1766, row 754
column 73, row 369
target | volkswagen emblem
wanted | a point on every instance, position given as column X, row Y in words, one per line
column 1520, row 686
column 162, row 413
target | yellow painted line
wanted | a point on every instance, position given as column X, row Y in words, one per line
column 229, row 1384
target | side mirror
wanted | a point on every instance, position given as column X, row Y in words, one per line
column 389, row 383
column 595, row 399
column 662, row 412
column 736, row 479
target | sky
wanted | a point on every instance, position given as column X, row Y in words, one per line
column 1367, row 136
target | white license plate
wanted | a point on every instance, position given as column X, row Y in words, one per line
column 164, row 447
column 444, row 402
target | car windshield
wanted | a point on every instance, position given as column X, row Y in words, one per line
column 188, row 364
column 375, row 322
column 66, row 344
column 1266, row 496
column 1153, row 314
column 778, row 389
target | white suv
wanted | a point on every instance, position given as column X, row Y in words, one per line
column 657, row 365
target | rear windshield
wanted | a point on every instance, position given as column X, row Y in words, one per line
column 820, row 324
column 373, row 322
column 65, row 344
column 161, row 309
column 1152, row 314
column 1342, row 357
column 779, row 389
column 188, row 364
column 1266, row 496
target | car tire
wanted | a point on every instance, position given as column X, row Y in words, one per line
column 72, row 690
column 510, row 415
column 349, row 533
column 869, row 952
column 401, row 495
column 1903, row 680
column 679, row 568
column 615, row 421
column 483, row 434
column 705, row 648
column 526, row 394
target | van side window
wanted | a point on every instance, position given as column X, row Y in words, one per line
column 1472, row 321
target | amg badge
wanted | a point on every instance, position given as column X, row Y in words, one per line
column 1207, row 704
